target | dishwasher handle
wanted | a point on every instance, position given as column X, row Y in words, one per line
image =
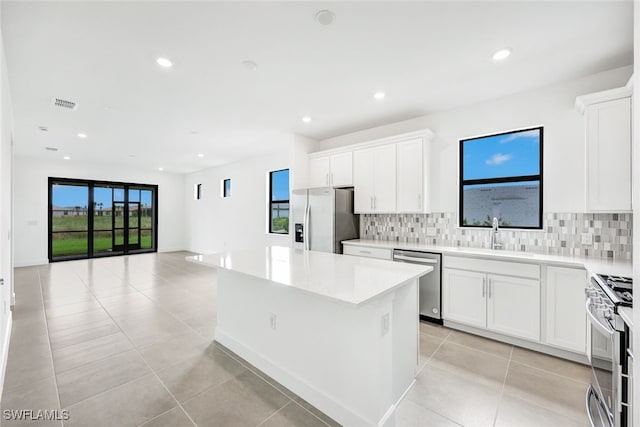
column 416, row 259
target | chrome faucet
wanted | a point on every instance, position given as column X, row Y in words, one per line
column 494, row 235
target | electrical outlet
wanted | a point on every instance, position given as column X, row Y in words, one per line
column 273, row 321
column 587, row 239
column 385, row 324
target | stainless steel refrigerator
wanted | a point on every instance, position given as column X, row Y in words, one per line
column 322, row 218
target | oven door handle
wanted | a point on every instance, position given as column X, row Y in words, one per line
column 603, row 422
column 603, row 328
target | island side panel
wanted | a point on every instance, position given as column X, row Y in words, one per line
column 332, row 354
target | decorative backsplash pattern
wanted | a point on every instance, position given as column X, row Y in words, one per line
column 562, row 233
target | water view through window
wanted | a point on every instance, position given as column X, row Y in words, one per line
column 501, row 177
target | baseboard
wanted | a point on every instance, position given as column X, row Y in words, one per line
column 5, row 352
column 161, row 250
column 317, row 398
column 389, row 418
column 30, row 262
column 539, row 347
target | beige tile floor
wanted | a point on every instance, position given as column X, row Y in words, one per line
column 127, row 341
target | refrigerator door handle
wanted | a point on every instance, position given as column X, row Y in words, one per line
column 307, row 215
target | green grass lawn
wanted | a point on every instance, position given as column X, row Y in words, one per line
column 80, row 223
column 75, row 241
column 78, row 246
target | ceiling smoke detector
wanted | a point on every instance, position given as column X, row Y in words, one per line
column 325, row 17
column 63, row 103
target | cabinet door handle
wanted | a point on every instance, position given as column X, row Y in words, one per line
column 331, row 178
column 419, row 202
column 489, row 289
column 371, row 202
column 326, row 178
column 484, row 286
column 375, row 202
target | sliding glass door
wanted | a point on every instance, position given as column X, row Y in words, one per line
column 68, row 220
column 90, row 218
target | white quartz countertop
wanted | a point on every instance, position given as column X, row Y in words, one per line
column 343, row 278
column 592, row 265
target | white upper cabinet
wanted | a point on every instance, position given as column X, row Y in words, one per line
column 335, row 170
column 389, row 175
column 363, row 181
column 342, row 169
column 410, row 176
column 608, row 150
column 319, row 172
column 374, row 179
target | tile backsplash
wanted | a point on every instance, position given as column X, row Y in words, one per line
column 562, row 233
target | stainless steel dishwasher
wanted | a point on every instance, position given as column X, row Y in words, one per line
column 430, row 284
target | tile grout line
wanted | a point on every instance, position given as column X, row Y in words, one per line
column 158, row 416
column 504, row 383
column 434, row 352
column 551, row 372
column 260, row 374
column 274, row 413
column 46, row 324
column 144, row 361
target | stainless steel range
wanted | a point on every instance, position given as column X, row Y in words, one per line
column 608, row 397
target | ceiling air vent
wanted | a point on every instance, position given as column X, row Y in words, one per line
column 63, row 103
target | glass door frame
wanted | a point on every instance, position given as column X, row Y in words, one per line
column 91, row 184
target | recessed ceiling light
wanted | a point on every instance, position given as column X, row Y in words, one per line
column 379, row 95
column 250, row 65
column 164, row 62
column 200, row 155
column 306, row 119
column 160, row 168
column 67, row 158
column 501, row 54
column 82, row 135
column 325, row 17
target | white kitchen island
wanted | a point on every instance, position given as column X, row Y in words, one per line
column 339, row 331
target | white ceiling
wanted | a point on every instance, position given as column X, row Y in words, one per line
column 426, row 56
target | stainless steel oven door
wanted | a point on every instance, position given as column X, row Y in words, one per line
column 603, row 363
column 597, row 410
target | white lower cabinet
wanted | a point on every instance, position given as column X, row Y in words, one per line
column 566, row 321
column 513, row 306
column 504, row 304
column 463, row 297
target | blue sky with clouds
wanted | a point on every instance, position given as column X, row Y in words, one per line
column 512, row 154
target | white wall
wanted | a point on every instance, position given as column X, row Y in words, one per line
column 552, row 107
column 300, row 149
column 31, row 198
column 6, row 250
column 217, row 224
